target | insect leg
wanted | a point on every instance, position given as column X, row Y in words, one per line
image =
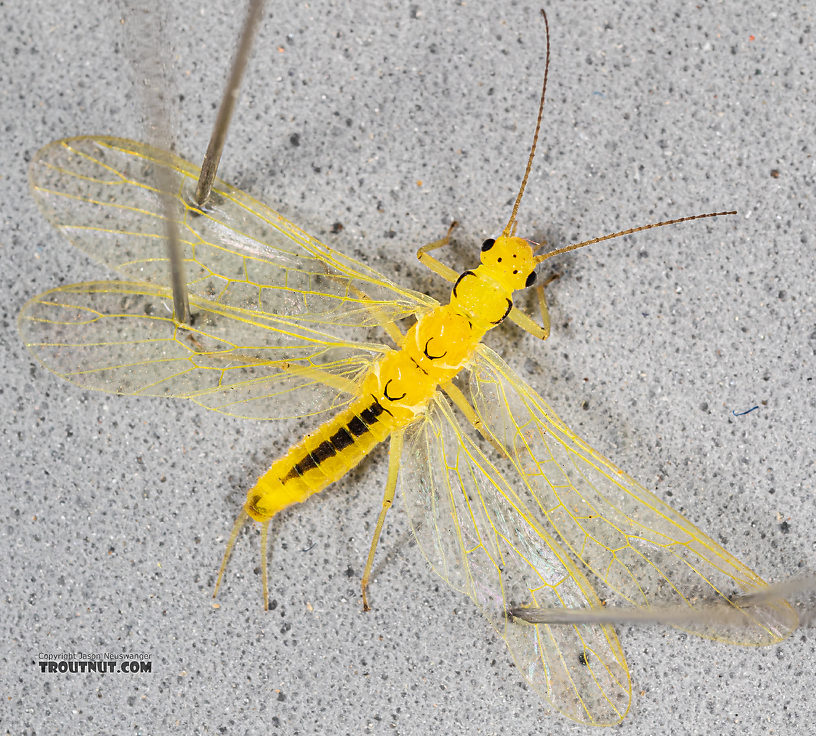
column 394, row 455
column 457, row 397
column 439, row 268
column 526, row 322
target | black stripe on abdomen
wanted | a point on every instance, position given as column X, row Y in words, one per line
column 339, row 441
column 357, row 426
column 369, row 415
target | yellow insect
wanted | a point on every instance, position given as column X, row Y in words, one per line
column 507, row 504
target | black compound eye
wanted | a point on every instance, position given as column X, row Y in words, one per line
column 530, row 279
column 488, row 244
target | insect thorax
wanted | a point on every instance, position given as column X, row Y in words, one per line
column 482, row 298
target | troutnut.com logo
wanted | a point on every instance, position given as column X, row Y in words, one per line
column 79, row 662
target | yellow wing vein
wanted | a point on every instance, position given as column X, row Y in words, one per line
column 478, row 535
column 638, row 545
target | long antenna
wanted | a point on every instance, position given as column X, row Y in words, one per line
column 621, row 233
column 219, row 134
column 511, row 222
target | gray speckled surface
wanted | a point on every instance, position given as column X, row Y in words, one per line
column 116, row 508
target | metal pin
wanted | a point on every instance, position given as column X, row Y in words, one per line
column 219, row 135
column 178, row 279
column 148, row 63
column 723, row 611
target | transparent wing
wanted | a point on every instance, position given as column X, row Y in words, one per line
column 102, row 193
column 479, row 537
column 638, row 545
column 120, row 337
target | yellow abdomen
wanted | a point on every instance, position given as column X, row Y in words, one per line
column 393, row 394
column 320, row 458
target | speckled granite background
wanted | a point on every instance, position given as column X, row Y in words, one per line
column 391, row 119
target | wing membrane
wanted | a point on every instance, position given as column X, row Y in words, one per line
column 102, row 193
column 478, row 536
column 638, row 545
column 120, row 337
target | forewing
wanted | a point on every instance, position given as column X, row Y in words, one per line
column 120, row 337
column 638, row 545
column 101, row 192
column 479, row 537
